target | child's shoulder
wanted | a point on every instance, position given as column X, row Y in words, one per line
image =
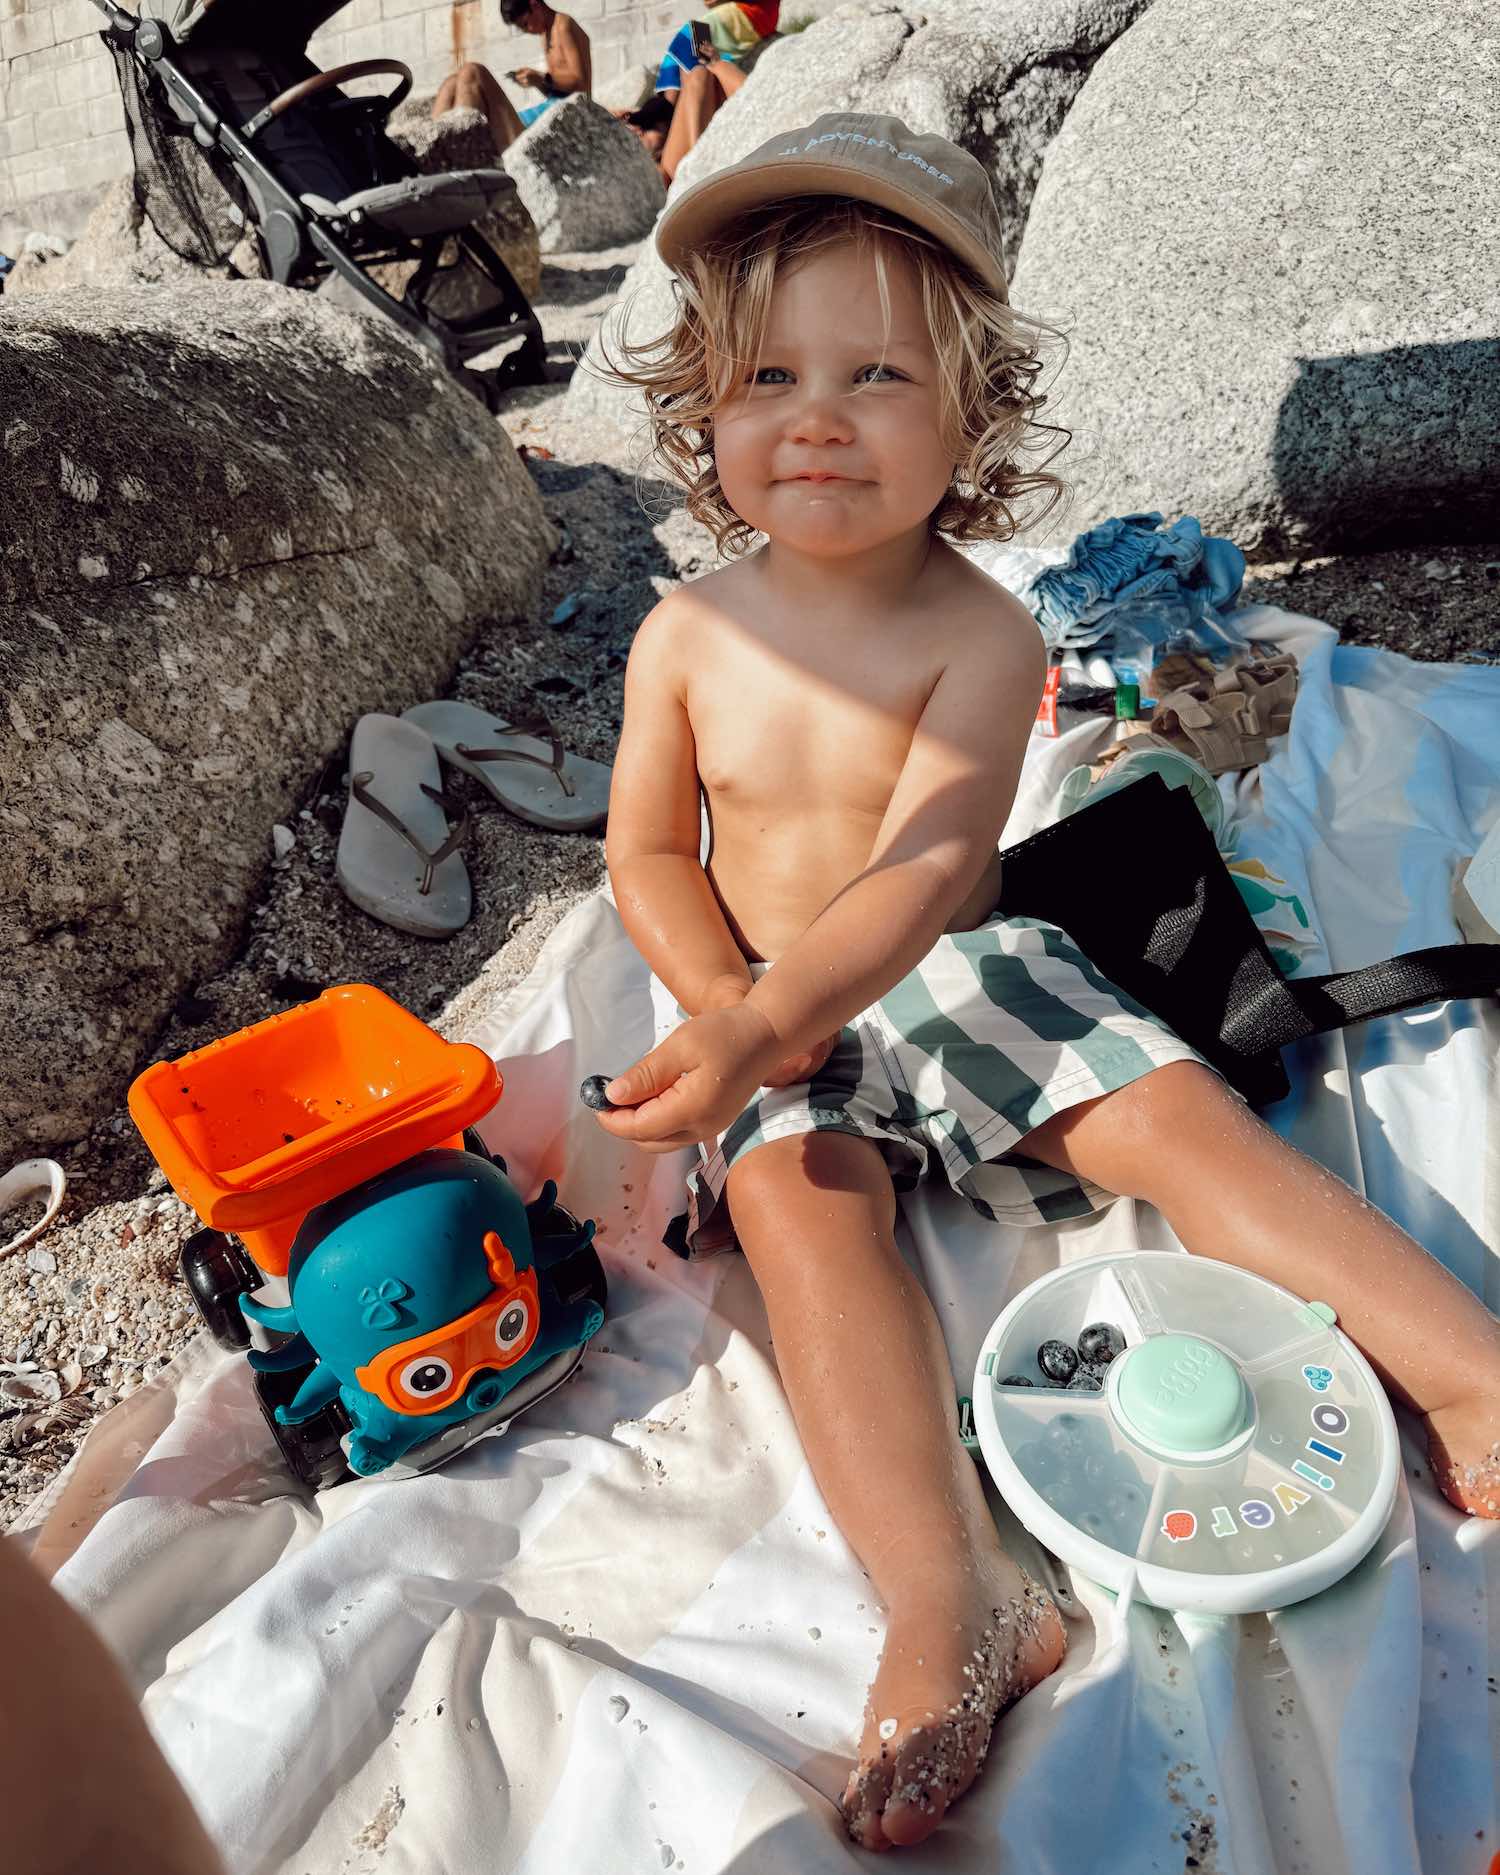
column 985, row 618
column 676, row 627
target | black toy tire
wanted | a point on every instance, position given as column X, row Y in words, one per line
column 473, row 1143
column 313, row 1449
column 575, row 1273
column 218, row 1273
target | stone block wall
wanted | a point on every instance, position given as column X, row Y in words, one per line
column 62, row 134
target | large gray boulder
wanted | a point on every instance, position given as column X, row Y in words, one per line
column 1278, row 254
column 586, row 178
column 118, row 247
column 232, row 519
column 995, row 76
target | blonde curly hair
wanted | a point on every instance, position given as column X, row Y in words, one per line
column 989, row 358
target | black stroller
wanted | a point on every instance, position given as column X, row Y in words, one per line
column 238, row 136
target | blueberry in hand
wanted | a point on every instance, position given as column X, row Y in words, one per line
column 1017, row 1380
column 1088, row 1379
column 1100, row 1342
column 592, row 1093
column 1057, row 1361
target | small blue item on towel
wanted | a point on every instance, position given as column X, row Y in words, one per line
column 533, row 111
column 1132, row 557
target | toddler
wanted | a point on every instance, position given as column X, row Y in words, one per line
column 852, row 698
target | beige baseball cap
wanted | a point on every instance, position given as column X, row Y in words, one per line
column 874, row 159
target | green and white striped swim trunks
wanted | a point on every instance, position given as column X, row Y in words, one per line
column 994, row 1032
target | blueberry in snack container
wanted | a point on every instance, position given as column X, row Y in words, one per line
column 394, row 1295
column 1234, row 1454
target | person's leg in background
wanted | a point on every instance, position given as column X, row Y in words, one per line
column 704, row 89
column 82, row 1783
column 475, row 88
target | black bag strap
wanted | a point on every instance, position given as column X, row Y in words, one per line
column 1438, row 974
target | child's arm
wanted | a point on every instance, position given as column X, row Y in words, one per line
column 661, row 891
column 940, row 828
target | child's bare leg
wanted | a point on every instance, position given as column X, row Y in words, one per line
column 1233, row 1189
column 865, row 1369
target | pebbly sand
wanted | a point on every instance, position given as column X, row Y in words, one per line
column 95, row 1306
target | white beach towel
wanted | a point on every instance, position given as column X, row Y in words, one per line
column 627, row 1637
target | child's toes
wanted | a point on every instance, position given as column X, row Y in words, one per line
column 863, row 1803
column 935, row 1765
column 1466, row 1460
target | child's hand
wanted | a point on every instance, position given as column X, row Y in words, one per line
column 695, row 1083
column 728, row 993
column 801, row 1067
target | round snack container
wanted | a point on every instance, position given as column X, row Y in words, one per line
column 1239, row 1456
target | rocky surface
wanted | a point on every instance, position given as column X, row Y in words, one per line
column 461, row 139
column 96, row 1305
column 586, row 179
column 118, row 247
column 1317, row 200
column 997, row 76
column 291, row 517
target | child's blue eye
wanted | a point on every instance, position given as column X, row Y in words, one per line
column 887, row 368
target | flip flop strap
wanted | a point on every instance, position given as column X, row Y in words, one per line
column 430, row 861
column 543, row 731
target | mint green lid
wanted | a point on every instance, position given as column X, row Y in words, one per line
column 1180, row 1394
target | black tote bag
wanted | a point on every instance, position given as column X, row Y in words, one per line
column 1137, row 883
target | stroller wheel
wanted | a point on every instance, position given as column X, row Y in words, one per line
column 313, row 1448
column 218, row 1273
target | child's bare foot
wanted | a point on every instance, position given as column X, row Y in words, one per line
column 956, row 1655
column 1465, row 1455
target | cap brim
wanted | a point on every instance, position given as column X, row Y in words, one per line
column 690, row 224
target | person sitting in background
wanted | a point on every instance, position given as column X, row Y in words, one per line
column 737, row 26
column 691, row 85
column 569, row 69
column 704, row 88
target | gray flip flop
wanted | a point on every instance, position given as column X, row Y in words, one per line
column 398, row 859
column 522, row 764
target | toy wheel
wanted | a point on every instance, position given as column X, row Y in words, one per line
column 313, row 1449
column 473, row 1143
column 574, row 1273
column 218, row 1273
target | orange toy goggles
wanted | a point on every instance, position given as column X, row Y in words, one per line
column 431, row 1371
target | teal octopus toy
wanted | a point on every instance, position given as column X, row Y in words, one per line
column 424, row 1296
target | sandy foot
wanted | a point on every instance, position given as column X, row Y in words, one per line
column 950, row 1667
column 1465, row 1456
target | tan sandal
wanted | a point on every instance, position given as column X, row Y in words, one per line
column 1227, row 721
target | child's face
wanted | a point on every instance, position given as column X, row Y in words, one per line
column 833, row 393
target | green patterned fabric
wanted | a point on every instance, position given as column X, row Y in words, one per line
column 994, row 1032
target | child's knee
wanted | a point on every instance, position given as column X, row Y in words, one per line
column 1142, row 1139
column 788, row 1196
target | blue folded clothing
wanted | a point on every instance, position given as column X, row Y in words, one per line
column 1133, row 557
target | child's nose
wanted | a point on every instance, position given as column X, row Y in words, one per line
column 820, row 417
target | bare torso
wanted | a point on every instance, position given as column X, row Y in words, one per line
column 801, row 731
